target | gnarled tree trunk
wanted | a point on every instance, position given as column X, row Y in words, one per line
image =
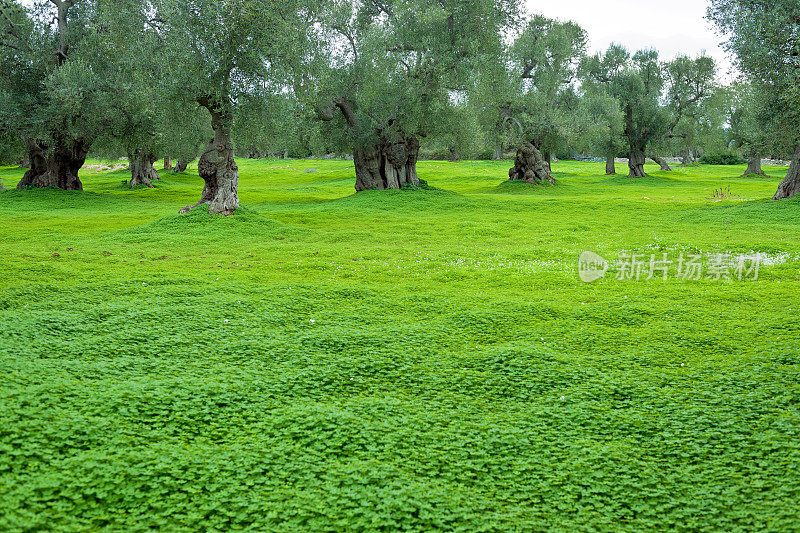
column 33, row 150
column 687, row 158
column 389, row 165
column 754, row 167
column 790, row 186
column 548, row 158
column 662, row 163
column 180, row 165
column 531, row 166
column 611, row 165
column 384, row 165
column 167, row 163
column 217, row 166
column 636, row 163
column 55, row 165
column 142, row 171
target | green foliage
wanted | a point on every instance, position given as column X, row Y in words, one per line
column 298, row 367
column 604, row 123
column 722, row 158
column 692, row 106
column 387, row 70
column 748, row 121
column 464, row 140
column 540, row 104
column 763, row 38
column 636, row 82
column 24, row 66
column 78, row 79
column 11, row 148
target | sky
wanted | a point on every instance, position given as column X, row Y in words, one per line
column 673, row 27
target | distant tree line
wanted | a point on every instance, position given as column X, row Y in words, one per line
column 383, row 81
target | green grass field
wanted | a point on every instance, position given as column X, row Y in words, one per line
column 412, row 360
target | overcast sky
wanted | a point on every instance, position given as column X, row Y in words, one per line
column 671, row 26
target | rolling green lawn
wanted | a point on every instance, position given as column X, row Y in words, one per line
column 408, row 360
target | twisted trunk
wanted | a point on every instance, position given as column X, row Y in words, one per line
column 180, row 165
column 384, row 165
column 790, row 186
column 387, row 165
column 217, row 166
column 611, row 164
column 26, row 158
column 548, row 157
column 55, row 165
column 35, row 153
column 661, row 162
column 637, row 141
column 636, row 163
column 531, row 166
column 167, row 163
column 687, row 158
column 754, row 167
column 142, row 171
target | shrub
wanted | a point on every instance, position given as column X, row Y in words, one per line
column 722, row 158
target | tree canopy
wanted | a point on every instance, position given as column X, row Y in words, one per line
column 764, row 37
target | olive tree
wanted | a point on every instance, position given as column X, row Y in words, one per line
column 748, row 129
column 157, row 119
column 764, row 36
column 75, row 81
column 392, row 74
column 637, row 83
column 606, row 117
column 690, row 83
column 542, row 102
column 56, row 101
column 604, row 108
column 222, row 49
